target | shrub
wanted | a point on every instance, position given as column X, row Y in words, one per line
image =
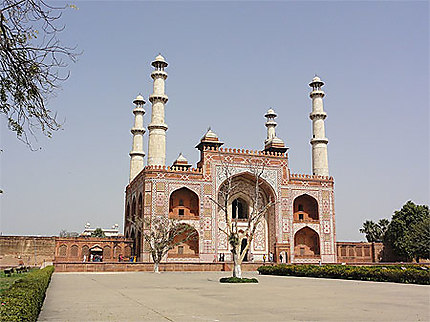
column 412, row 274
column 238, row 280
column 24, row 299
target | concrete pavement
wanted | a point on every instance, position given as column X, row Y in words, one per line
column 198, row 296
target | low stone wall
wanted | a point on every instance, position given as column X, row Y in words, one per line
column 26, row 250
column 148, row 267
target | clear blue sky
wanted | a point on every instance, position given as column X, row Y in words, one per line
column 230, row 62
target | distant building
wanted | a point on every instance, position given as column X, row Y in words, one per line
column 109, row 232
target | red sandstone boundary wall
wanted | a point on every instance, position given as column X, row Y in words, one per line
column 148, row 267
column 26, row 250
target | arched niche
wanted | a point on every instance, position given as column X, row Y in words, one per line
column 240, row 209
column 186, row 243
column 140, row 206
column 305, row 208
column 306, row 243
column 184, row 204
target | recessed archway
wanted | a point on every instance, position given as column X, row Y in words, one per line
column 306, row 243
column 184, row 204
column 305, row 208
column 186, row 243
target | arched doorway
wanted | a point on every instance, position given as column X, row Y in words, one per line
column 96, row 254
column 186, row 242
column 240, row 209
column 184, row 204
column 305, row 208
column 306, row 243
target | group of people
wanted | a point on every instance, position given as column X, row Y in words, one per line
column 270, row 259
column 266, row 257
column 93, row 258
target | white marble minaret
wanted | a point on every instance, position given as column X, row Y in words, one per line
column 157, row 128
column 272, row 142
column 137, row 154
column 318, row 141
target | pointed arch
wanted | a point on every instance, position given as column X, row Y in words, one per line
column 184, row 204
column 305, row 208
column 187, row 243
column 140, row 206
column 306, row 243
column 133, row 209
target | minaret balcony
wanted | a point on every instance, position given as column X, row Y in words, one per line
column 159, row 73
column 318, row 115
column 317, row 93
column 162, row 126
column 138, row 110
column 153, row 98
column 319, row 140
column 137, row 153
column 136, row 130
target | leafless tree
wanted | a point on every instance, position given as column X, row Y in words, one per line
column 235, row 234
column 33, row 64
column 162, row 234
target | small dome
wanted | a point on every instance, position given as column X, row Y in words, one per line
column 160, row 58
column 270, row 112
column 210, row 135
column 139, row 99
column 181, row 158
column 316, row 81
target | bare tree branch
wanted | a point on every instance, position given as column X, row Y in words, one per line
column 32, row 66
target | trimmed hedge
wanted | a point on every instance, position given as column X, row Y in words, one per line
column 24, row 299
column 410, row 274
column 238, row 280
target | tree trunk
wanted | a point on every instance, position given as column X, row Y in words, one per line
column 157, row 267
column 237, row 269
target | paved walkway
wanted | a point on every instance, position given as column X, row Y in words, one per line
column 198, row 296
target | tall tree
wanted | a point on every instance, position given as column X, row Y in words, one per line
column 372, row 231
column 240, row 237
column 33, row 64
column 408, row 232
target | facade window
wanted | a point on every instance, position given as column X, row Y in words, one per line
column 63, row 251
column 302, row 251
column 180, row 250
column 300, row 207
column 74, row 251
column 300, row 216
column 240, row 209
column 181, row 212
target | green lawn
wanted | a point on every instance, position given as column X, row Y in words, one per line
column 7, row 281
